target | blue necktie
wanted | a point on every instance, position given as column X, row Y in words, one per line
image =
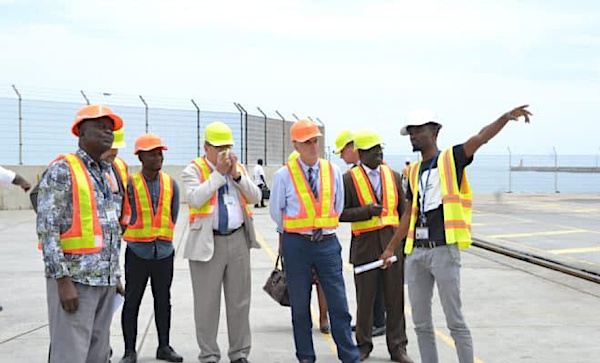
column 223, row 215
column 314, row 186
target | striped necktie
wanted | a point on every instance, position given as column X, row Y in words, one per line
column 314, row 186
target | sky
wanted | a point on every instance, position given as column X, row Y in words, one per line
column 353, row 64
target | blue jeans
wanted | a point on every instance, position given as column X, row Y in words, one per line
column 300, row 256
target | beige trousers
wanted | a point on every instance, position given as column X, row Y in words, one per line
column 227, row 271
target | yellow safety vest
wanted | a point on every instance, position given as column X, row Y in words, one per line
column 85, row 234
column 122, row 168
column 366, row 196
column 456, row 202
column 313, row 214
column 149, row 224
column 204, row 170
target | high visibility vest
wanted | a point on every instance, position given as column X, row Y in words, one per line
column 389, row 192
column 313, row 214
column 204, row 170
column 456, row 202
column 122, row 168
column 85, row 234
column 149, row 224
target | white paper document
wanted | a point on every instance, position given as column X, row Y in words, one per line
column 117, row 302
column 372, row 265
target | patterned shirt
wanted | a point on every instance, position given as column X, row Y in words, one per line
column 55, row 216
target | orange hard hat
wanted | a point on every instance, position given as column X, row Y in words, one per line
column 303, row 130
column 95, row 111
column 148, row 142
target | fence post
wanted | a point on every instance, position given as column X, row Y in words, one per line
column 509, row 170
column 555, row 171
column 326, row 148
column 85, row 97
column 296, row 117
column 245, row 126
column 146, row 105
column 239, row 108
column 20, row 124
column 197, row 125
column 265, row 116
column 282, row 137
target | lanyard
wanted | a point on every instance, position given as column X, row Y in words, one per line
column 103, row 187
column 422, row 216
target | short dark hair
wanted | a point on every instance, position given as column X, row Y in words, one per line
column 260, row 162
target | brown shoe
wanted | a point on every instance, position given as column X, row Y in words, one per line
column 401, row 357
column 364, row 355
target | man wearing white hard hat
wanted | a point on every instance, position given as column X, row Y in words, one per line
column 437, row 225
column 218, row 245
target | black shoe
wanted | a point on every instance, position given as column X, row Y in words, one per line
column 353, row 327
column 241, row 360
column 167, row 353
column 256, row 206
column 129, row 357
column 378, row 331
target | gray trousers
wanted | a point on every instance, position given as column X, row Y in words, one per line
column 440, row 265
column 229, row 270
column 84, row 335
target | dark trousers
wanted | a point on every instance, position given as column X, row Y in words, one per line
column 379, row 309
column 137, row 272
column 367, row 284
column 301, row 256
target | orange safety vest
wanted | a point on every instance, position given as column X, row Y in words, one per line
column 204, row 170
column 389, row 217
column 456, row 203
column 313, row 214
column 150, row 224
column 85, row 234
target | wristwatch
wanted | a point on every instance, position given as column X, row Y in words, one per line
column 237, row 180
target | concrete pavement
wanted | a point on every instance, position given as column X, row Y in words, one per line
column 517, row 312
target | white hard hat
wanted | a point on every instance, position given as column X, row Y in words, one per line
column 418, row 118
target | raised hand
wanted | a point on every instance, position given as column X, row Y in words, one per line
column 515, row 113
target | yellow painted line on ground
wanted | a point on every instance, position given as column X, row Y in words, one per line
column 575, row 250
column 263, row 243
column 533, row 234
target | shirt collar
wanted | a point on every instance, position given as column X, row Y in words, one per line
column 368, row 170
column 91, row 163
column 305, row 167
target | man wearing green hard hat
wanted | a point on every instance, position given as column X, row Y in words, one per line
column 344, row 147
column 373, row 203
column 218, row 245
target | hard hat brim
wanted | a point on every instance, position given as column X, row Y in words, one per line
column 118, row 144
column 221, row 143
column 369, row 145
column 404, row 130
column 117, row 123
column 150, row 148
column 308, row 137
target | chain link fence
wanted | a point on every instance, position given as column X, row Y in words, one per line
column 36, row 125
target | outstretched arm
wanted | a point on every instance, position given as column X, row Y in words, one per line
column 491, row 130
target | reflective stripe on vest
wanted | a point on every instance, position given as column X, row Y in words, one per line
column 389, row 216
column 204, row 170
column 456, row 203
column 150, row 224
column 85, row 234
column 122, row 168
column 312, row 214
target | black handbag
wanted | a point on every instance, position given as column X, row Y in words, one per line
column 276, row 285
column 266, row 192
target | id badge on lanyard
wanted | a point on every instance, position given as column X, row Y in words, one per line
column 422, row 231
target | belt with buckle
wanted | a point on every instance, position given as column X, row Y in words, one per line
column 311, row 239
column 428, row 244
column 228, row 233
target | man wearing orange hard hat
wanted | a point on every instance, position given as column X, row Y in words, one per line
column 78, row 228
column 306, row 202
column 150, row 213
column 218, row 244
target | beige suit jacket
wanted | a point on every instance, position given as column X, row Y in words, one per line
column 200, row 242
